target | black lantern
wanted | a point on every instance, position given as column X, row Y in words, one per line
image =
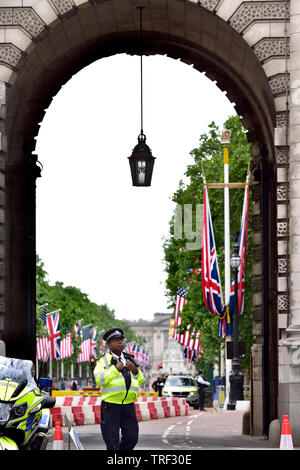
column 141, row 161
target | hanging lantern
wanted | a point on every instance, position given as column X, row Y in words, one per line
column 141, row 163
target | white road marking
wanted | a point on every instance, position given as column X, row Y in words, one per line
column 187, row 432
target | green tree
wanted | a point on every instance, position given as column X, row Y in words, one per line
column 209, row 156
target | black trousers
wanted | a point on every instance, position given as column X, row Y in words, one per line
column 201, row 398
column 116, row 418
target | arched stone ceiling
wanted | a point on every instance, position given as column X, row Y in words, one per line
column 92, row 30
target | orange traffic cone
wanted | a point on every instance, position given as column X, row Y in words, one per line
column 286, row 441
column 58, row 441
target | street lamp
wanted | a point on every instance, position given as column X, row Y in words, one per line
column 236, row 377
column 141, row 161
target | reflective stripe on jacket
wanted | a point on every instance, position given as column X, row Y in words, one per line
column 112, row 382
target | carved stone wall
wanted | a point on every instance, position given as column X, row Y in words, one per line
column 28, row 45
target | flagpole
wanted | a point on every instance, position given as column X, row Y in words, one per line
column 50, row 365
column 225, row 139
column 54, row 311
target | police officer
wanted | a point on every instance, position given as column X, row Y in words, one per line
column 119, row 378
column 158, row 384
column 202, row 385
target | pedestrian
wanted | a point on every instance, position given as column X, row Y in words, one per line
column 158, row 384
column 119, row 378
column 202, row 386
column 74, row 384
column 147, row 383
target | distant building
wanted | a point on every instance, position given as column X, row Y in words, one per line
column 156, row 333
column 158, row 343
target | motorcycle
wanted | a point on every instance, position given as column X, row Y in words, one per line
column 24, row 408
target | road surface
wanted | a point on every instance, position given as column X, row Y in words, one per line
column 200, row 430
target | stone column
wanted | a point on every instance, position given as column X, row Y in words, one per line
column 3, row 144
column 289, row 344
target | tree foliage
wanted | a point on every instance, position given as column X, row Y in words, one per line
column 209, row 156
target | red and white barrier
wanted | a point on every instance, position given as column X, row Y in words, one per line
column 86, row 410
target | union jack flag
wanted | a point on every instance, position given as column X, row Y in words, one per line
column 143, row 357
column 180, row 303
column 54, row 334
column 137, row 353
column 226, row 324
column 129, row 348
column 94, row 343
column 211, row 282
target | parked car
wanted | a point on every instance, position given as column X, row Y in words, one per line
column 182, row 386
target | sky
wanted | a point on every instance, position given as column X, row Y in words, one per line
column 95, row 231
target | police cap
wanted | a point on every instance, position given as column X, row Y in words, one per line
column 113, row 333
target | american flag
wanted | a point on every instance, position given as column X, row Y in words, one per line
column 226, row 324
column 94, row 343
column 186, row 336
column 43, row 315
column 42, row 349
column 85, row 346
column 180, row 303
column 191, row 343
column 54, row 334
column 66, row 348
column 211, row 283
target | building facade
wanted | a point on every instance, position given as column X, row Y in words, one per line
column 163, row 350
column 156, row 333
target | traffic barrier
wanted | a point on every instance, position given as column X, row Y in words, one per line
column 86, row 410
column 67, row 411
column 143, row 407
column 152, row 410
column 56, row 416
column 92, row 392
column 97, row 413
column 286, row 440
column 89, row 415
column 78, row 415
column 58, row 441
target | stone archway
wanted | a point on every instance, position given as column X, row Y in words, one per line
column 241, row 45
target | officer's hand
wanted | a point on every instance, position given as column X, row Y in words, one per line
column 119, row 366
column 131, row 367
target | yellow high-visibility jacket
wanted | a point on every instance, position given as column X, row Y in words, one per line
column 112, row 382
